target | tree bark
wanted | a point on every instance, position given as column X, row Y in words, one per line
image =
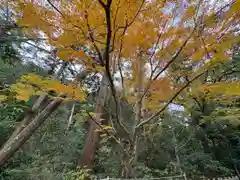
column 70, row 119
column 17, row 142
column 92, row 140
column 27, row 131
column 127, row 169
column 28, row 118
column 39, row 104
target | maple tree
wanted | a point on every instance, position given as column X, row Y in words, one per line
column 140, row 42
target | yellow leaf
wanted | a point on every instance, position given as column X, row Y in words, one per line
column 92, row 114
column 24, row 91
column 190, row 12
column 197, row 55
column 65, row 53
column 236, row 6
column 103, row 135
column 32, row 84
column 67, row 39
column 107, row 127
column 3, row 98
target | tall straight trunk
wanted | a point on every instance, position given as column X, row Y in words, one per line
column 128, row 162
column 92, row 140
column 134, row 148
column 17, row 142
column 138, row 106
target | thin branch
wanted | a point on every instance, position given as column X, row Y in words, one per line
column 152, row 55
column 127, row 24
column 226, row 74
column 205, row 47
column 41, row 49
column 98, row 124
column 114, row 25
column 71, row 117
column 54, row 7
column 107, row 54
column 168, row 64
column 136, row 15
column 198, row 103
column 102, row 3
column 89, row 29
column 222, row 8
column 108, row 132
column 121, row 42
column 121, row 73
column 20, row 39
column 169, row 102
column 119, row 56
column 175, row 56
column 155, row 50
column 120, row 123
column 94, row 44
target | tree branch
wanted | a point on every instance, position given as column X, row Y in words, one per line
column 107, row 56
column 54, row 7
column 107, row 132
column 168, row 64
column 127, row 24
column 94, row 44
column 175, row 56
column 102, row 3
column 169, row 102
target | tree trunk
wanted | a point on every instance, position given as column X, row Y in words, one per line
column 28, row 118
column 34, row 122
column 92, row 140
column 17, row 142
column 70, row 119
column 138, row 116
column 37, row 106
column 127, row 169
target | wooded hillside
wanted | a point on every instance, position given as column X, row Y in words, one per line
column 119, row 88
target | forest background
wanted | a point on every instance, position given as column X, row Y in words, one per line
column 119, row 88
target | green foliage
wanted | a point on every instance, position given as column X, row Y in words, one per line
column 9, row 114
column 79, row 174
column 8, row 53
column 51, row 152
column 11, row 111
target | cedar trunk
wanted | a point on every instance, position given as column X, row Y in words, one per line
column 92, row 140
